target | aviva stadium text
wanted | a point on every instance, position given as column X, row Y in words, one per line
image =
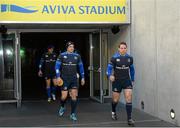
column 60, row 9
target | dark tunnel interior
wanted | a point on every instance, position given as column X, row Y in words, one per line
column 33, row 45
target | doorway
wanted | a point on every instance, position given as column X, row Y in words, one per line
column 9, row 87
column 33, row 45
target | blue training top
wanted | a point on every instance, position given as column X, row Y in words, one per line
column 68, row 64
column 122, row 66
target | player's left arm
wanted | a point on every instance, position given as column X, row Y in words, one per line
column 58, row 66
column 40, row 65
column 132, row 70
column 81, row 70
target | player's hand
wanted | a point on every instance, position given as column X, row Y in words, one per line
column 40, row 73
column 82, row 81
column 59, row 81
column 112, row 78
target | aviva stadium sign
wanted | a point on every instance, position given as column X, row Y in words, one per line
column 64, row 11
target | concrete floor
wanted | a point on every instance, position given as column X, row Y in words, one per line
column 90, row 114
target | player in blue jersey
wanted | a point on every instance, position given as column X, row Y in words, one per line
column 120, row 72
column 67, row 66
column 48, row 60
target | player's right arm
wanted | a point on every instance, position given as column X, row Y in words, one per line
column 40, row 65
column 57, row 69
column 110, row 68
column 58, row 66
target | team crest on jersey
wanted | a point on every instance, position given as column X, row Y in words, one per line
column 129, row 60
column 65, row 57
column 118, row 60
column 75, row 57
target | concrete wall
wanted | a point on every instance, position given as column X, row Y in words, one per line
column 115, row 39
column 155, row 46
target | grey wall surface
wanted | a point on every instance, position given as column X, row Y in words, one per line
column 115, row 39
column 155, row 46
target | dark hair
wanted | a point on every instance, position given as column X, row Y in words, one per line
column 69, row 43
column 50, row 46
column 122, row 43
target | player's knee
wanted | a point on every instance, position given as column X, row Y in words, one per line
column 55, row 84
column 73, row 96
column 115, row 100
column 128, row 99
column 63, row 98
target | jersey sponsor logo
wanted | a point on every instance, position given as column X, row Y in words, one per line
column 129, row 60
column 54, row 56
column 122, row 67
column 65, row 57
column 118, row 60
column 46, row 55
column 68, row 64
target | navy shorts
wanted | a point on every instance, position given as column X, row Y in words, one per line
column 50, row 76
column 69, row 82
column 118, row 85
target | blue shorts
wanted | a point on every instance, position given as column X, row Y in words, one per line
column 50, row 76
column 69, row 82
column 118, row 85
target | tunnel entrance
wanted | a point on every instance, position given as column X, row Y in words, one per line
column 33, row 45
